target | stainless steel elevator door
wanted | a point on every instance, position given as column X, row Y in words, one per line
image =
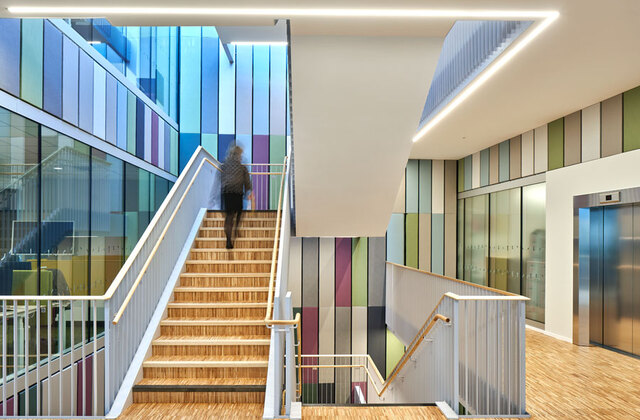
column 636, row 279
column 617, row 274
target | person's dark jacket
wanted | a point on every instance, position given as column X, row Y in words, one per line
column 235, row 177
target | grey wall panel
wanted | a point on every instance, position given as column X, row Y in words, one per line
column 327, row 273
column 450, row 246
column 310, row 272
column 484, row 167
column 343, row 346
column 541, row 144
column 450, row 186
column 377, row 337
column 526, row 153
column 591, row 133
column 376, row 268
column 425, row 186
column 475, row 168
column 424, row 243
column 295, row 271
column 504, row 169
column 494, row 164
column 515, row 158
column 611, row 126
column 572, row 138
column 437, row 186
column 326, row 345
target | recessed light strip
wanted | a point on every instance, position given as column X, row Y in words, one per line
column 500, row 62
column 280, row 12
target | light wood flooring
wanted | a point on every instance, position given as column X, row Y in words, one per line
column 563, row 382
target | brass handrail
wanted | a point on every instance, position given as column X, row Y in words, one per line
column 430, row 323
column 124, row 305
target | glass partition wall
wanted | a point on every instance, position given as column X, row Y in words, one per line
column 501, row 243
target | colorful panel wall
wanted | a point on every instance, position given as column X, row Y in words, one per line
column 603, row 129
column 47, row 69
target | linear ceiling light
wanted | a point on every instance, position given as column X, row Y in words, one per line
column 257, row 43
column 279, row 12
column 500, row 62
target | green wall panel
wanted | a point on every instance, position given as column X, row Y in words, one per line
column 437, row 243
column 395, row 350
column 631, row 120
column 395, row 239
column 484, row 167
column 210, row 144
column 503, row 162
column 131, row 123
column 276, row 155
column 556, row 144
column 31, row 63
column 460, row 175
column 468, row 173
column 425, row 186
column 411, row 240
column 411, row 187
column 359, row 248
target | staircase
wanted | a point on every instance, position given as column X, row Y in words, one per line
column 213, row 346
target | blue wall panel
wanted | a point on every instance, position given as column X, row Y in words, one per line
column 395, row 239
column 99, row 100
column 85, row 102
column 224, row 141
column 111, row 111
column 244, row 85
column 69, row 81
column 140, row 128
column 261, row 90
column 210, row 45
column 190, row 48
column 227, row 92
column 10, row 56
column 210, row 143
column 188, row 144
column 411, row 186
column 121, row 125
column 52, row 90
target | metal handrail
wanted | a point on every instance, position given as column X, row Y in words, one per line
column 124, row 305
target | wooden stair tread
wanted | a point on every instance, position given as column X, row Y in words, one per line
column 231, row 250
column 217, row 305
column 223, row 275
column 203, row 381
column 206, row 362
column 240, row 228
column 210, row 321
column 211, row 341
column 230, row 289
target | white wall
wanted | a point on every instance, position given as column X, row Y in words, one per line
column 611, row 173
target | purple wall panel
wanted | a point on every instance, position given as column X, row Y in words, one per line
column 154, row 138
column 260, row 154
column 9, row 407
column 167, row 147
column 88, row 391
column 343, row 272
column 363, row 388
column 310, row 340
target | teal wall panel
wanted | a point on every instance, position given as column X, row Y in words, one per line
column 468, row 173
column 411, row 186
column 503, row 170
column 425, row 186
column 31, row 62
column 395, row 239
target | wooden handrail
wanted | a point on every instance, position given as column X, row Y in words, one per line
column 124, row 305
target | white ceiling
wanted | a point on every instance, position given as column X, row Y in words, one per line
column 353, row 123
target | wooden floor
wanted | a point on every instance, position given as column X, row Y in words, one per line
column 563, row 382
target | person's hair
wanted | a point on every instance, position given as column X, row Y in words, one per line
column 235, row 152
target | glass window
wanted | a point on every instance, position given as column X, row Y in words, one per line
column 64, row 233
column 107, row 220
column 476, row 239
column 533, row 249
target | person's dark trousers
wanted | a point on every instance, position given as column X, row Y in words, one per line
column 232, row 208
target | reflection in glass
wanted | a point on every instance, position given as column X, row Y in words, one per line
column 533, row 249
column 476, row 239
column 460, row 256
column 504, row 261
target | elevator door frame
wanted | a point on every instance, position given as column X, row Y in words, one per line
column 581, row 269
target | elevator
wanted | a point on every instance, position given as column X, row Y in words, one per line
column 609, row 255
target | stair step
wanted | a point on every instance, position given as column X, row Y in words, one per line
column 177, row 362
column 225, row 275
column 197, row 346
column 212, row 321
column 229, row 382
column 228, row 262
column 184, row 289
column 246, row 254
column 210, row 341
column 205, row 281
column 240, row 229
column 221, row 242
column 200, row 390
column 207, row 305
column 242, row 233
